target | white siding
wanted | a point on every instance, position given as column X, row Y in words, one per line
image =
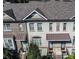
column 45, row 28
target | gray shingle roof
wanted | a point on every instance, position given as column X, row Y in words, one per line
column 51, row 9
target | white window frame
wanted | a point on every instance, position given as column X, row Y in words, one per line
column 64, row 26
column 24, row 46
column 57, row 26
column 6, row 28
column 31, row 27
column 50, row 26
column 39, row 26
column 73, row 40
column 35, row 40
column 62, row 45
column 6, row 42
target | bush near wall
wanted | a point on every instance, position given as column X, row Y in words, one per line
column 71, row 56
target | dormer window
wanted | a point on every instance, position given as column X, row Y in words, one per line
column 35, row 15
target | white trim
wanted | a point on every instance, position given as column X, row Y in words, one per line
column 20, row 40
column 37, row 13
column 9, row 16
column 72, row 17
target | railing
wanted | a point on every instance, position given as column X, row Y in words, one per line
column 50, row 49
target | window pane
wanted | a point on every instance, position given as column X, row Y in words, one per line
column 50, row 26
column 10, row 42
column 57, row 27
column 24, row 45
column 36, row 41
column 64, row 26
column 74, row 26
column 73, row 40
column 6, row 45
column 6, row 27
column 31, row 26
column 39, row 26
column 63, row 45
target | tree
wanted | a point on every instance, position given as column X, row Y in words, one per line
column 7, row 54
column 34, row 52
column 10, row 54
column 70, row 57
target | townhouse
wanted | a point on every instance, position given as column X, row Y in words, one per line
column 50, row 25
column 14, row 34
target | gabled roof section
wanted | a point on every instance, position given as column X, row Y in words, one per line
column 52, row 9
column 36, row 14
column 10, row 14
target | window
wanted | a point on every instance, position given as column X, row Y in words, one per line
column 39, row 26
column 57, row 27
column 24, row 45
column 31, row 26
column 64, row 27
column 73, row 51
column 20, row 27
column 36, row 40
column 6, row 27
column 8, row 43
column 74, row 26
column 62, row 45
column 50, row 26
column 73, row 40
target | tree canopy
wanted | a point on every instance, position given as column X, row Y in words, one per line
column 70, row 57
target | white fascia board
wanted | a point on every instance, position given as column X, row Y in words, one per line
column 10, row 17
column 41, row 15
column 37, row 13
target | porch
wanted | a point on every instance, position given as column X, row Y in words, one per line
column 57, row 45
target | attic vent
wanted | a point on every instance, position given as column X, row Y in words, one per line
column 67, row 0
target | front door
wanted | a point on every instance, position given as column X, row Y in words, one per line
column 57, row 48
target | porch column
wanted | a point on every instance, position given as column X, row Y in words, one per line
column 49, row 44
